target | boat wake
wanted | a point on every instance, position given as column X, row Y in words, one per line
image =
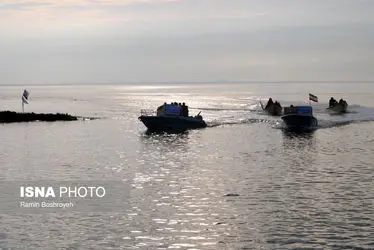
column 217, row 123
column 231, row 116
column 226, row 109
column 355, row 114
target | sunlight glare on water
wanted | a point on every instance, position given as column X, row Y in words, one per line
column 241, row 183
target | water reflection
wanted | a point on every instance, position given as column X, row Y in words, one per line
column 300, row 157
column 178, row 186
column 158, row 156
column 288, row 191
column 164, row 141
column 150, row 133
column 298, row 140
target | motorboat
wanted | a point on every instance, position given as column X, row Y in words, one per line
column 339, row 108
column 299, row 118
column 171, row 118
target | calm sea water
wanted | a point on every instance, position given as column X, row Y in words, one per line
column 241, row 183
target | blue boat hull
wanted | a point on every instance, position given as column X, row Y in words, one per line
column 171, row 124
column 298, row 122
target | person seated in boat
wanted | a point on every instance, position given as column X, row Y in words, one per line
column 277, row 104
column 343, row 103
column 270, row 102
column 332, row 102
column 161, row 109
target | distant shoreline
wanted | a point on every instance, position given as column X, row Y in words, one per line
column 14, row 117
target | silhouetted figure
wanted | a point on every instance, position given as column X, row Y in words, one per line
column 332, row 102
column 270, row 102
column 184, row 110
column 180, row 109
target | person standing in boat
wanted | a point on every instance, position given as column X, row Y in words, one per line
column 270, row 102
column 332, row 102
column 185, row 110
column 180, row 109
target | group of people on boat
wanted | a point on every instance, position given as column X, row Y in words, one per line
column 174, row 108
column 271, row 103
column 172, row 117
column 333, row 102
column 273, row 108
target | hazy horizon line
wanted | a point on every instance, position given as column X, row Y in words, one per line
column 183, row 82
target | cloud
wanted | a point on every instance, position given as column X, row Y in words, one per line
column 129, row 17
column 134, row 9
column 291, row 53
column 188, row 14
column 193, row 40
column 31, row 10
column 26, row 5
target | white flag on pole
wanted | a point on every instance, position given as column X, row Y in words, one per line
column 25, row 97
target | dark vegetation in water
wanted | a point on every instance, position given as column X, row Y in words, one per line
column 10, row 116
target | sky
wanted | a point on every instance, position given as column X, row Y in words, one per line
column 113, row 41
